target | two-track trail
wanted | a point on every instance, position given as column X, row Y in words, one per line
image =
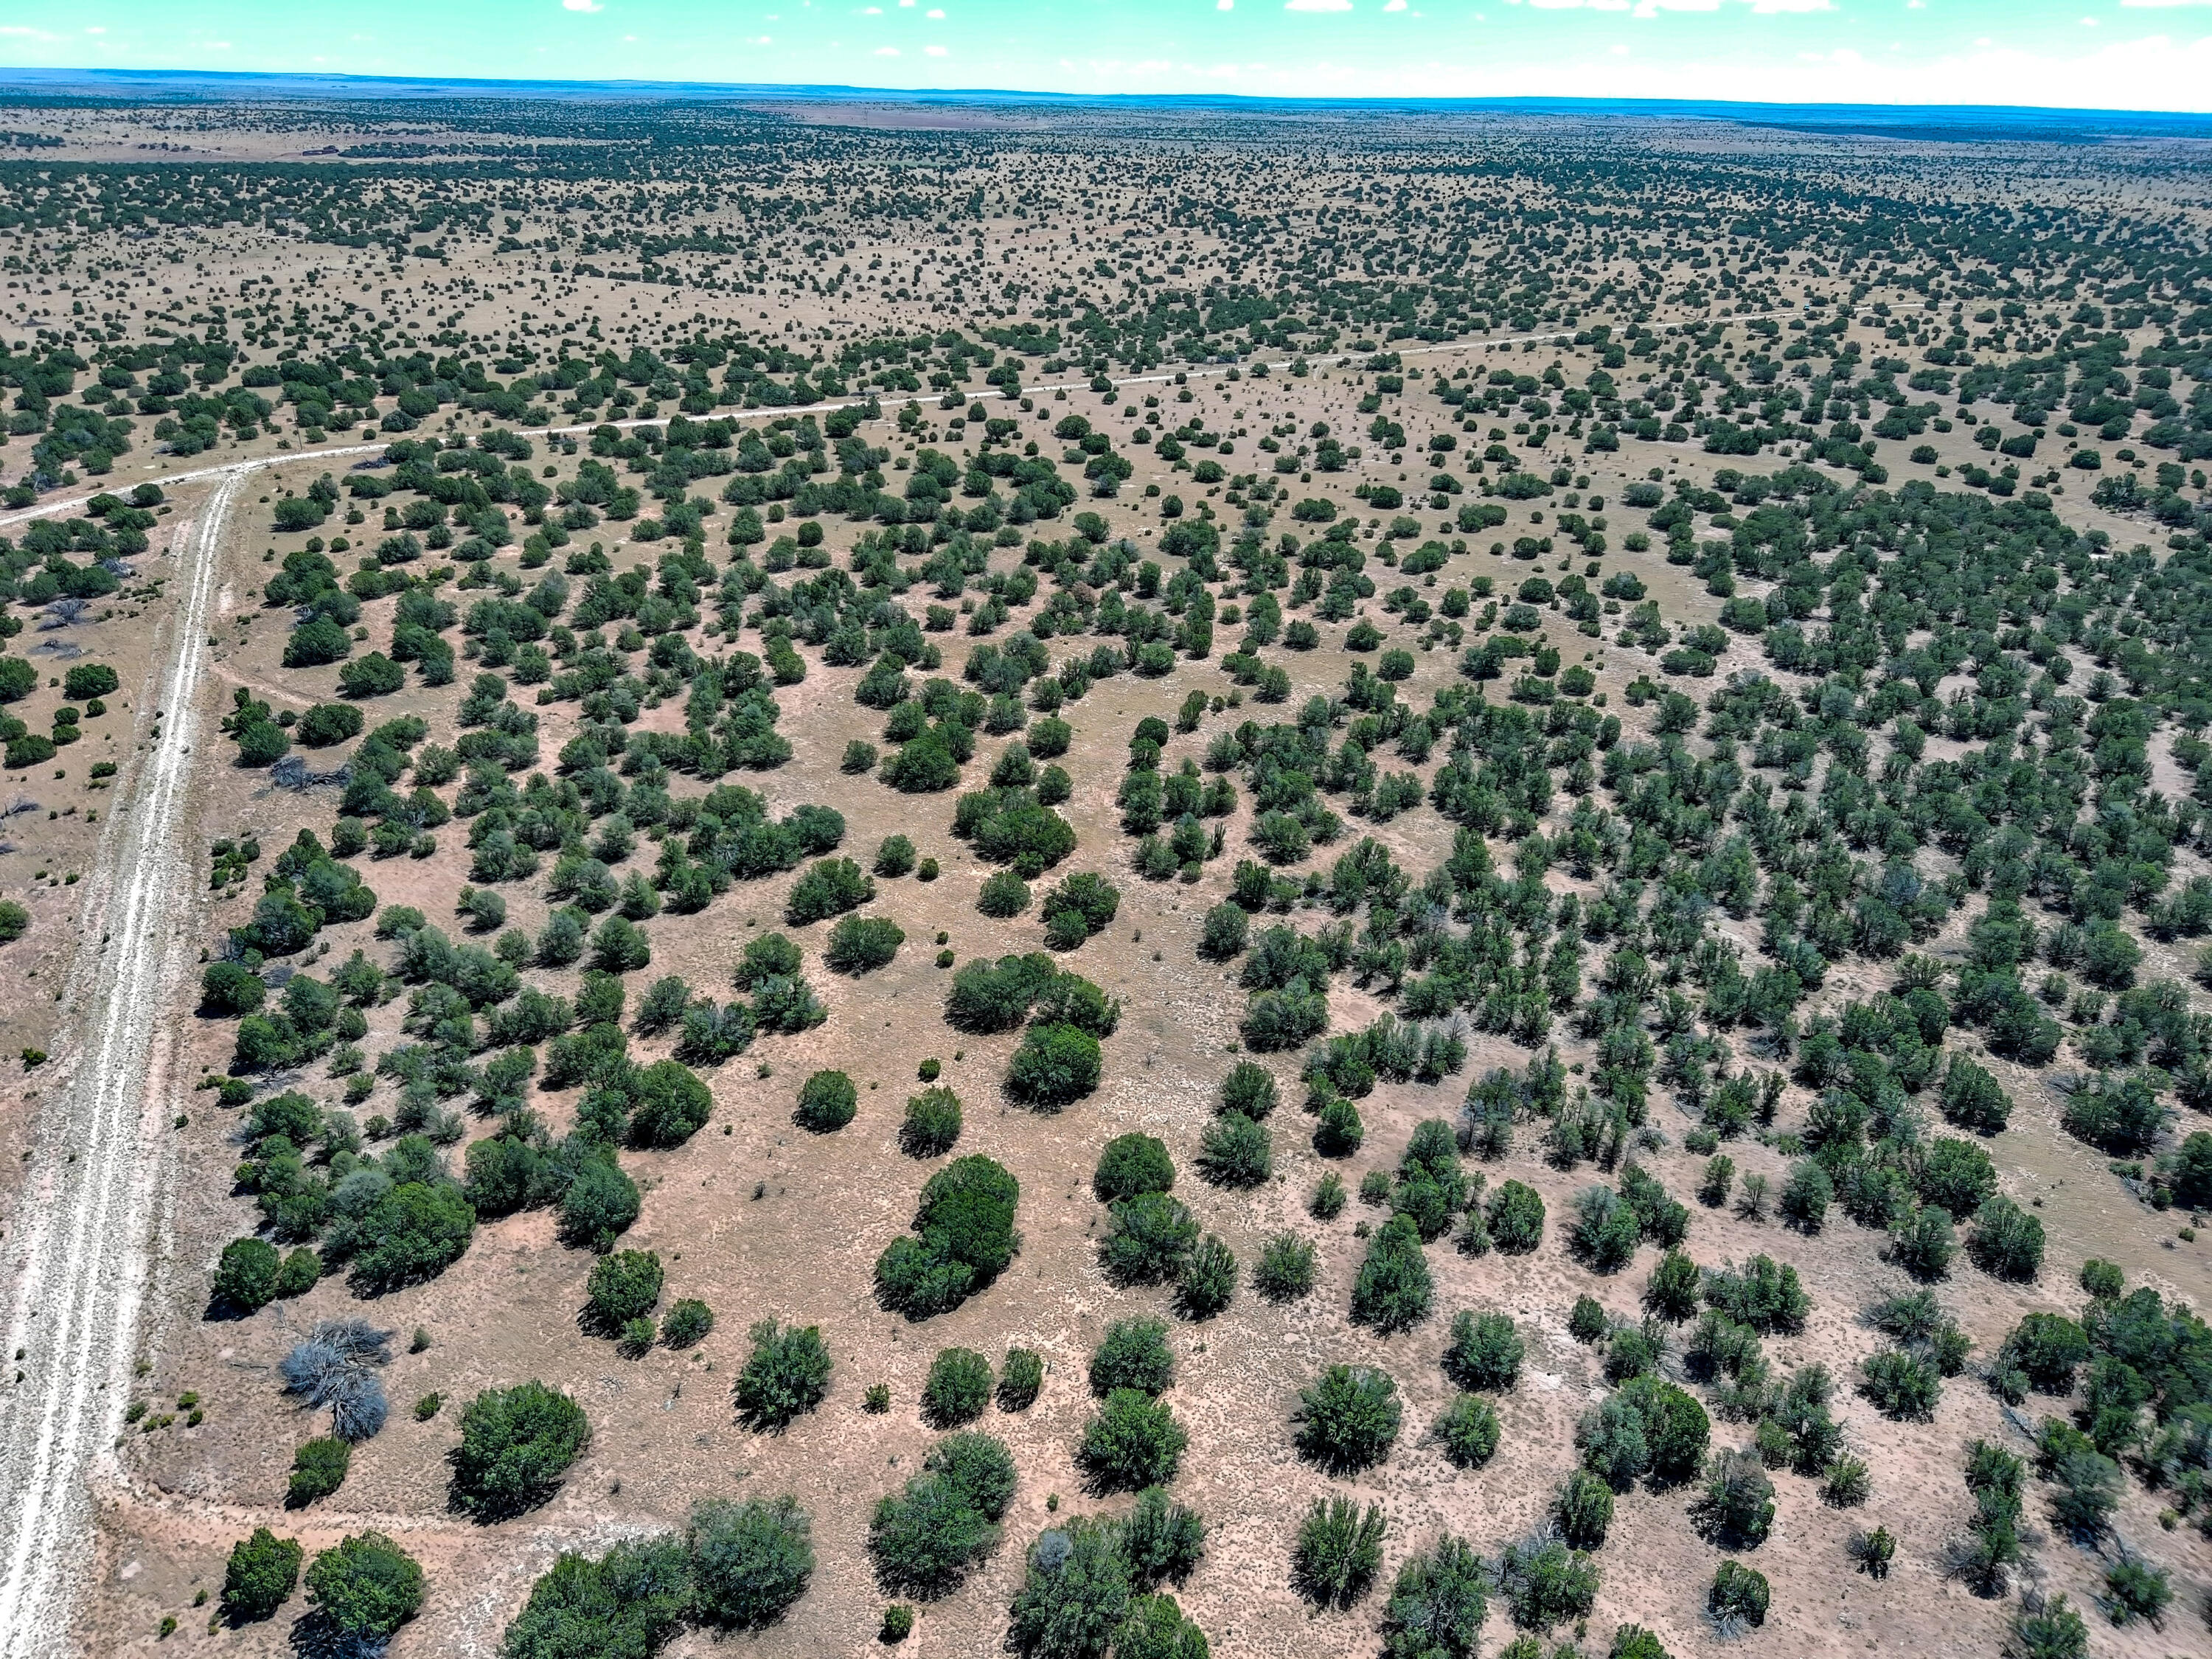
column 86, row 1249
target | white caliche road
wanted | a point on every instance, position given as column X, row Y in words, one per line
column 81, row 1262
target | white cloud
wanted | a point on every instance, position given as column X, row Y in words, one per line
column 1225, row 5
column 871, row 11
column 582, row 5
column 1395, row 5
column 937, row 12
column 887, row 51
column 935, row 51
column 1316, row 5
column 2149, row 5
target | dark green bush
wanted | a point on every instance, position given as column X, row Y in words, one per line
column 1020, row 1379
column 1469, row 1431
column 1132, row 1164
column 1438, row 1604
column 827, row 1100
column 924, row 1539
column 1393, row 1289
column 245, row 1277
column 1582, row 1509
column 1483, row 1352
column 1347, row 1418
column 1055, row 1066
column 1133, row 1442
column 318, row 1468
column 1285, row 1269
column 932, row 1123
column 828, row 888
column 686, row 1324
column 965, row 1223
column 1739, row 1596
column 516, row 1444
column 1133, row 1354
column 1515, row 1217
column 957, row 1389
column 1150, row 1240
column 858, row 945
column 750, row 1561
column 1235, row 1152
column 625, row 1605
column 259, row 1576
column 786, row 1377
column 1338, row 1553
column 624, row 1286
column 366, row 1586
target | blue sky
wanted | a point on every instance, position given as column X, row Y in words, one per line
column 2134, row 54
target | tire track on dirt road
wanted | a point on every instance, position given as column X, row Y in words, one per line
column 81, row 1263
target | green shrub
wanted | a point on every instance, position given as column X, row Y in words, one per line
column 924, row 1539
column 2006, row 1242
column 687, row 1324
column 965, row 1223
column 1583, row 1508
column 318, row 1468
column 1248, row 1088
column 1587, row 1322
column 1347, row 1418
column 750, row 1561
column 88, row 680
column 1133, row 1442
column 1438, row 1604
column 1226, row 929
column 1337, row 1553
column 786, row 1377
column 1759, row 1294
column 932, row 1123
column 770, row 957
column 1150, row 1240
column 1285, row 1269
column 1076, row 1600
column 1003, row 895
column 858, row 945
column 1739, row 1596
column 624, row 1286
column 1056, row 1065
column 828, row 888
column 1547, row 1583
column 1235, row 1152
column 259, row 1576
column 1469, row 1431
column 1209, row 1281
column 1133, row 1354
column 1900, row 1385
column 1020, row 1379
column 1393, row 1289
column 625, row 1605
column 1130, row 1165
column 1484, row 1352
column 957, row 1389
column 246, row 1278
column 895, row 857
column 412, row 1233
column 1515, row 1217
column 1736, row 1509
column 827, row 1100
column 366, row 1586
column 600, row 1202
column 328, row 723
column 516, row 1444
column 15, row 921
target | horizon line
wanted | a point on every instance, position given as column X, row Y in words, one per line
column 273, row 80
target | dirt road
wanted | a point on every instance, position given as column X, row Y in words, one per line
column 86, row 1251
